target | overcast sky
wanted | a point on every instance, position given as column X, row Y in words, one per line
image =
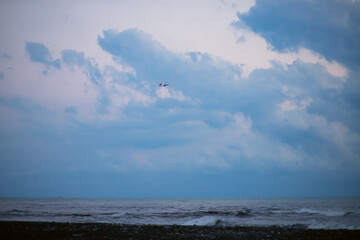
column 263, row 98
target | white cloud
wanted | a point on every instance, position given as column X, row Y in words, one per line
column 333, row 68
column 56, row 90
column 170, row 93
column 180, row 26
column 291, row 105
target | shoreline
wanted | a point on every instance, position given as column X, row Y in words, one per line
column 55, row 230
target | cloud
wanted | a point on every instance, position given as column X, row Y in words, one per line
column 281, row 106
column 71, row 110
column 234, row 111
column 6, row 56
column 208, row 113
column 153, row 64
column 73, row 58
column 133, row 45
column 209, row 120
column 38, row 52
column 326, row 27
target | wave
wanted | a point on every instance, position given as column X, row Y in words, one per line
column 214, row 212
column 52, row 214
column 118, row 214
column 79, row 215
column 14, row 212
column 244, row 213
column 241, row 213
column 107, row 213
column 325, row 213
column 17, row 212
column 203, row 221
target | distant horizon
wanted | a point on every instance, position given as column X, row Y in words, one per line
column 188, row 198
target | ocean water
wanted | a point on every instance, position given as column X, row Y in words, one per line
column 307, row 213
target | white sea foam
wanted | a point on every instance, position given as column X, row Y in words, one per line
column 203, row 221
column 102, row 221
column 325, row 213
column 120, row 214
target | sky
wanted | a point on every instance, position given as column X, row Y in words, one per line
column 263, row 98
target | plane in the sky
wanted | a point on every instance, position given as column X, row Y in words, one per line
column 163, row 84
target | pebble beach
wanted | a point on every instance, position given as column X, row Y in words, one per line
column 50, row 230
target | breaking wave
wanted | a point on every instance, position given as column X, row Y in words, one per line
column 15, row 212
column 244, row 213
column 204, row 221
column 325, row 213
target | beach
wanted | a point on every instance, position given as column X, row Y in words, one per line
column 51, row 230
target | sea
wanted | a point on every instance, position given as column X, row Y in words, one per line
column 305, row 213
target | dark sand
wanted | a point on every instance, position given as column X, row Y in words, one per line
column 49, row 230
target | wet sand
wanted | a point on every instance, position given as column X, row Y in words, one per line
column 50, row 230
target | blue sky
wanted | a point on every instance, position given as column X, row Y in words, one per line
column 263, row 99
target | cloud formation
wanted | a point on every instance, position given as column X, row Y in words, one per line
column 99, row 117
column 210, row 114
column 280, row 104
column 38, row 52
column 327, row 27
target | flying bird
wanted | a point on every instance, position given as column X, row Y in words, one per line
column 163, row 84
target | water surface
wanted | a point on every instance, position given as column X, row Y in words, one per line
column 310, row 213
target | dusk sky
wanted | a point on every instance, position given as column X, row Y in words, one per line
column 263, row 98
